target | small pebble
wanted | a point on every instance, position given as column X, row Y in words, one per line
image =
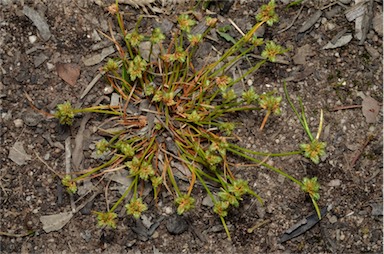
column 146, row 221
column 168, row 210
column 18, row 123
column 333, row 219
column 155, row 235
column 207, row 201
column 32, row 39
column 334, row 183
column 47, row 156
column 108, row 90
column 50, row 66
column 176, row 225
column 31, row 119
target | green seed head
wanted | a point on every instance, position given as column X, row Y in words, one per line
column 111, row 65
column 134, row 38
column 267, row 13
column 312, row 187
column 157, row 36
column 106, row 219
column 185, row 22
column 136, row 207
column 221, row 208
column 65, row 113
column 185, row 203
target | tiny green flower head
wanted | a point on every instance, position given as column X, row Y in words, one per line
column 239, row 188
column 157, row 36
column 158, row 96
column 137, row 67
column 65, row 113
column 194, row 39
column 267, row 13
column 185, row 203
column 211, row 22
column 312, row 187
column 156, row 181
column 221, row 208
column 194, row 116
column 102, row 147
column 270, row 103
column 226, row 196
column 106, row 219
column 134, row 38
column 227, row 127
column 168, row 58
column 149, row 89
column 272, row 50
column 126, row 148
column 146, row 170
column 133, row 165
column 70, row 184
column 222, row 82
column 180, row 54
column 223, row 145
column 167, row 98
column 250, row 96
column 136, row 207
column 314, row 150
column 185, row 22
column 229, row 95
column 212, row 159
column 256, row 41
column 111, row 65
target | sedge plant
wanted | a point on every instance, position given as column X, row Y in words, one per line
column 182, row 116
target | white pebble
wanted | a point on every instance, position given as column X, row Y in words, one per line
column 333, row 219
column 108, row 90
column 47, row 156
column 168, row 210
column 32, row 39
column 18, row 123
column 334, row 183
column 50, row 66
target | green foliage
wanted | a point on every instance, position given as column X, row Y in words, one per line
column 136, row 207
column 314, row 150
column 107, row 219
column 187, row 122
column 65, row 113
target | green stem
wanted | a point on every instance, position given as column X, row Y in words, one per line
column 314, row 202
column 257, row 196
column 236, row 46
column 111, row 161
column 134, row 182
column 173, row 181
column 279, row 171
column 254, row 68
column 301, row 118
column 265, row 154
column 232, row 61
column 90, row 110
column 225, row 227
column 205, row 187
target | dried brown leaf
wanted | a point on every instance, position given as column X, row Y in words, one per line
column 68, row 72
column 370, row 108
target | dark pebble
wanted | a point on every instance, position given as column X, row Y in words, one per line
column 176, row 225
